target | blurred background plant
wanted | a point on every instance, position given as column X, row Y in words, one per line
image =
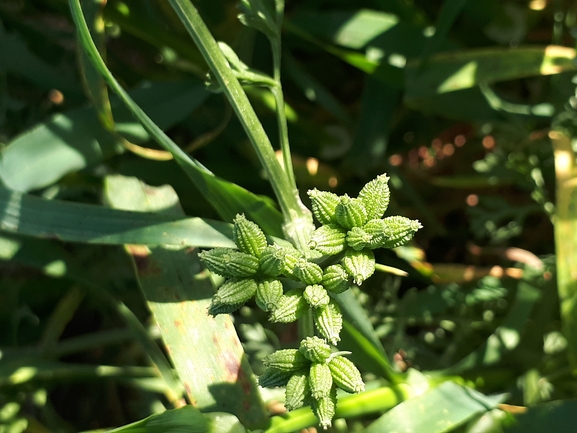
column 468, row 106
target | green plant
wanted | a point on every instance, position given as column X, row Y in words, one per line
column 103, row 287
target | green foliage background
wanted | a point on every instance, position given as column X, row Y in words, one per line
column 467, row 105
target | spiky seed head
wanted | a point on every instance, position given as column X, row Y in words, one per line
column 315, row 349
column 287, row 360
column 298, row 391
column 329, row 322
column 248, row 236
column 323, row 204
column 358, row 239
column 316, row 295
column 375, row 195
column 236, row 291
column 230, row 263
column 360, row 265
column 272, row 378
column 350, row 212
column 346, row 375
column 290, row 307
column 268, row 294
column 399, row 230
column 320, row 380
column 328, row 239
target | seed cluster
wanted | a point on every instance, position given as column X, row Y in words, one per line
column 312, row 373
column 351, row 228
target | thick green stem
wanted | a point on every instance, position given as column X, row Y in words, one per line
column 298, row 222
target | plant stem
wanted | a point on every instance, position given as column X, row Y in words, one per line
column 280, row 112
column 298, row 222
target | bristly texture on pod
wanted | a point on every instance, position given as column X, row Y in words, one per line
column 328, row 239
column 336, row 279
column 268, row 294
column 399, row 231
column 320, row 380
column 359, row 264
column 287, row 360
column 325, row 408
column 230, row 263
column 272, row 378
column 236, row 291
column 316, row 295
column 298, row 391
column 375, row 195
column 377, row 230
column 215, row 308
column 350, row 212
column 329, row 322
column 307, row 272
column 290, row 307
column 323, row 204
column 271, row 261
column 315, row 349
column 346, row 375
column 358, row 239
column 248, row 236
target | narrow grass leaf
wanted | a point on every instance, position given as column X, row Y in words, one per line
column 76, row 222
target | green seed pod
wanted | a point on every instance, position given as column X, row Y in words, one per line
column 291, row 258
column 325, row 408
column 375, row 195
column 298, row 391
column 328, row 239
column 248, row 236
column 329, row 321
column 346, row 375
column 290, row 307
column 377, row 229
column 215, row 308
column 268, row 293
column 323, row 204
column 350, row 212
column 287, row 360
column 272, row 378
column 336, row 279
column 316, row 296
column 358, row 239
column 315, row 349
column 307, row 272
column 236, row 291
column 400, row 230
column 320, row 380
column 271, row 260
column 230, row 263
column 359, row 264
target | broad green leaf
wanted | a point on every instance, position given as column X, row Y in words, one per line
column 76, row 222
column 442, row 409
column 449, row 72
column 74, row 140
column 556, row 416
column 206, row 351
column 565, row 221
